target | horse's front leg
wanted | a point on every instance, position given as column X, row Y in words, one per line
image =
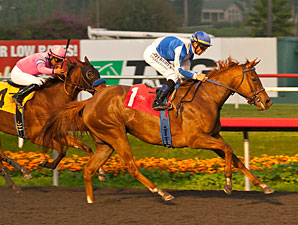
column 69, row 142
column 54, row 145
column 26, row 173
column 102, row 154
column 55, row 163
column 204, row 141
column 239, row 164
column 7, row 178
column 73, row 142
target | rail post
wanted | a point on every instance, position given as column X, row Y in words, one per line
column 55, row 171
column 246, row 159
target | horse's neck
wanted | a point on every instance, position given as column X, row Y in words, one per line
column 59, row 95
column 218, row 93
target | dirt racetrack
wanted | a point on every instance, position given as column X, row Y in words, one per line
column 67, row 206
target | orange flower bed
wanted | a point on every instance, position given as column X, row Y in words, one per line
column 31, row 161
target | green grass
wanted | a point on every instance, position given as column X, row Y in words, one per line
column 275, row 111
column 166, row 181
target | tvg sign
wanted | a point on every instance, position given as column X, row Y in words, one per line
column 117, row 67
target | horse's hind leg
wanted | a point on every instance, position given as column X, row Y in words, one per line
column 123, row 149
column 102, row 154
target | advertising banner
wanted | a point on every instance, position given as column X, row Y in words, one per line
column 125, row 58
column 12, row 51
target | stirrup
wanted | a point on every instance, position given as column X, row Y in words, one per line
column 18, row 104
column 163, row 107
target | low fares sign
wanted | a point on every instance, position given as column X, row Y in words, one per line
column 12, row 51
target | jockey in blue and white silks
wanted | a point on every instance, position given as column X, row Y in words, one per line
column 171, row 56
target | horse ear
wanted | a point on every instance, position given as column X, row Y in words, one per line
column 86, row 60
column 80, row 63
column 257, row 62
column 252, row 63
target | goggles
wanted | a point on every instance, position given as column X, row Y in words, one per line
column 203, row 47
column 57, row 59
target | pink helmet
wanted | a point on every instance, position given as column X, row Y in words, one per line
column 57, row 51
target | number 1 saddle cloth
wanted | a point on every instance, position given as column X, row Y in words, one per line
column 141, row 97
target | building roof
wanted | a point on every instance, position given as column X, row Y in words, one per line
column 219, row 4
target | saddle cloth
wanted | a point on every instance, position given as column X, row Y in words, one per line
column 6, row 93
column 140, row 97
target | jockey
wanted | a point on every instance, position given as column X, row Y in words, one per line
column 179, row 51
column 27, row 70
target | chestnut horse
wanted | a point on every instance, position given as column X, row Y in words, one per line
column 196, row 127
column 53, row 94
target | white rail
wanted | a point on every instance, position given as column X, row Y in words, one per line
column 102, row 33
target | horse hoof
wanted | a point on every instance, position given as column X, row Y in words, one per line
column 102, row 177
column 89, row 200
column 228, row 189
column 43, row 164
column 167, row 197
column 16, row 189
column 27, row 176
column 268, row 190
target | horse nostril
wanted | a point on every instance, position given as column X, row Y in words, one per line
column 268, row 103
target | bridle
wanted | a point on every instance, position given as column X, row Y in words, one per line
column 87, row 85
column 250, row 99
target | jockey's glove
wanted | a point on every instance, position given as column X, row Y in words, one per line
column 59, row 71
column 200, row 76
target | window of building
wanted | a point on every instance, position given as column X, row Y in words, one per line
column 233, row 15
column 206, row 16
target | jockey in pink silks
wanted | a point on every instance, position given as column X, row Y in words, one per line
column 27, row 70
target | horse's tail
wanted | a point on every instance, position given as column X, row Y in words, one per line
column 61, row 122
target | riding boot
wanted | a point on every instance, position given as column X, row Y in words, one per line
column 163, row 92
column 18, row 97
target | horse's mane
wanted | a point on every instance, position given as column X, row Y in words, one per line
column 222, row 66
column 49, row 82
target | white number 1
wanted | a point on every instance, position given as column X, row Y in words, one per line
column 133, row 95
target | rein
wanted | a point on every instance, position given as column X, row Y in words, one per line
column 250, row 99
column 180, row 104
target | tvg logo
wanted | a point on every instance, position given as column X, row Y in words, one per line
column 109, row 68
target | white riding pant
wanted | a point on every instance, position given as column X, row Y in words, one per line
column 163, row 66
column 19, row 77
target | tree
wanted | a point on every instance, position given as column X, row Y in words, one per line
column 282, row 25
column 59, row 27
column 294, row 4
column 137, row 15
column 194, row 10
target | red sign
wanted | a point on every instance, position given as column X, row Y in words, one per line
column 12, row 51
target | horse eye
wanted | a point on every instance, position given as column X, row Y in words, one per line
column 90, row 75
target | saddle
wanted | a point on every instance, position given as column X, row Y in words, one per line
column 7, row 90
